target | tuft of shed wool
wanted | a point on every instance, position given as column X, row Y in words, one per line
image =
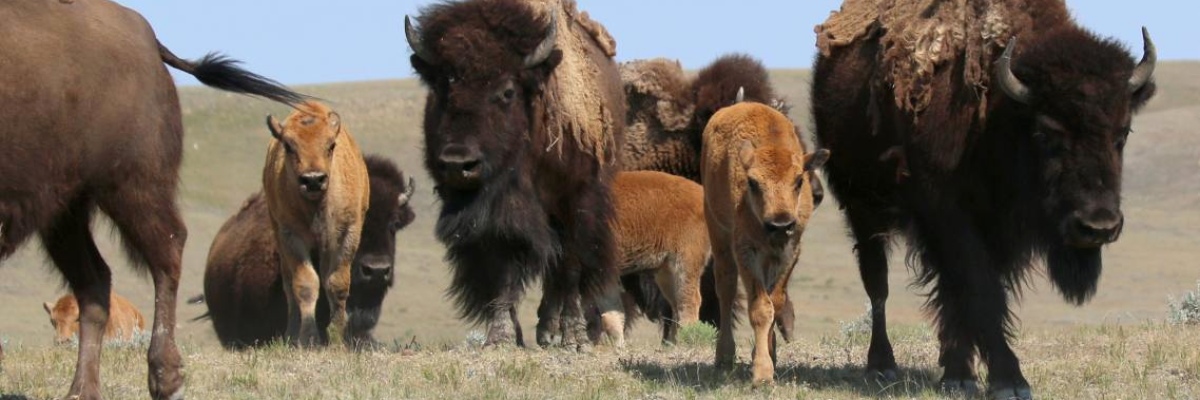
column 916, row 37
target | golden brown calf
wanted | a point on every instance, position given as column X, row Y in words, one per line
column 124, row 320
column 757, row 199
column 317, row 190
column 659, row 227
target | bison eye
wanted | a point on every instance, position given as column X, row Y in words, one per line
column 799, row 182
column 331, row 147
column 287, row 148
column 754, row 186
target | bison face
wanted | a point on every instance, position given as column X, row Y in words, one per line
column 1078, row 119
column 484, row 92
column 388, row 213
column 778, row 192
column 64, row 317
column 308, row 138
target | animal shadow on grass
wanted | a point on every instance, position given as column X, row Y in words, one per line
column 13, row 397
column 848, row 378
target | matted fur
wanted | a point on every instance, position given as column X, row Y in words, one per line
column 669, row 108
column 918, row 36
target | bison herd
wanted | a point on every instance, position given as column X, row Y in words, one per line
column 988, row 135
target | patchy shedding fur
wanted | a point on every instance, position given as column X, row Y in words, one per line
column 580, row 110
column 918, row 36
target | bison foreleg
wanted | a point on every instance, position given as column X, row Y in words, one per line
column 970, row 300
column 870, row 228
column 726, row 278
column 335, row 273
column 762, row 320
column 502, row 320
column 302, row 286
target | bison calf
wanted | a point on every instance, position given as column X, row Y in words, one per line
column 317, row 190
column 757, row 199
column 124, row 320
column 243, row 288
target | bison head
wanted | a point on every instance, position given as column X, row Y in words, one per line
column 1075, row 97
column 485, row 64
column 373, row 272
column 308, row 137
column 64, row 317
column 778, row 187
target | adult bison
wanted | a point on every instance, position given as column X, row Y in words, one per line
column 243, row 288
column 522, row 133
column 986, row 163
column 92, row 120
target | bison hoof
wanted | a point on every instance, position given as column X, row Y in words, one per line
column 886, row 375
column 1012, row 393
column 966, row 387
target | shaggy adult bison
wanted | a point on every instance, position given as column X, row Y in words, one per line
column 124, row 320
column 243, row 288
column 317, row 192
column 757, row 202
column 522, row 134
column 985, row 162
column 93, row 122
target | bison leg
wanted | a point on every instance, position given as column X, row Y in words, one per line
column 762, row 320
column 335, row 274
column 549, row 313
column 971, row 301
column 725, row 277
column 869, row 228
column 302, row 285
column 502, row 321
column 154, row 232
column 69, row 244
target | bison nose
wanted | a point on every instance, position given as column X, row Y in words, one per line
column 460, row 161
column 781, row 224
column 1100, row 226
column 376, row 270
column 313, row 181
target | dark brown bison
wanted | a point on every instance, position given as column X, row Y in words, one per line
column 1003, row 161
column 244, row 290
column 92, row 121
column 522, row 133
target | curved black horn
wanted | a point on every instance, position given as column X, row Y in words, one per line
column 543, row 49
column 1145, row 68
column 414, row 41
column 408, row 192
column 1009, row 82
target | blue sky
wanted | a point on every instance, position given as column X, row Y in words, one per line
column 310, row 41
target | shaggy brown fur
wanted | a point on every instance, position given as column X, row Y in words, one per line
column 124, row 320
column 983, row 185
column 758, row 200
column 93, row 123
column 668, row 109
column 243, row 289
column 519, row 200
column 916, row 37
column 317, row 190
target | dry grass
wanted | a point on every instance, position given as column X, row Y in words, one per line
column 1108, row 361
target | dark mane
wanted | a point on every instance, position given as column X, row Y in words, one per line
column 497, row 32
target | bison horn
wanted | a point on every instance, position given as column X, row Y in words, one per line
column 408, row 192
column 414, row 41
column 1009, row 82
column 741, row 95
column 1145, row 68
column 542, row 52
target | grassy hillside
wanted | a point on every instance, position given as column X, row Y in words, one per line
column 226, row 142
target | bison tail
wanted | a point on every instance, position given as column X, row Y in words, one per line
column 221, row 72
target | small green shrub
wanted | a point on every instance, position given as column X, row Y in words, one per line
column 697, row 334
column 1186, row 310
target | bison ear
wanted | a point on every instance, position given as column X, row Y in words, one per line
column 275, row 127
column 816, row 159
column 334, row 121
column 746, row 153
column 49, row 307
